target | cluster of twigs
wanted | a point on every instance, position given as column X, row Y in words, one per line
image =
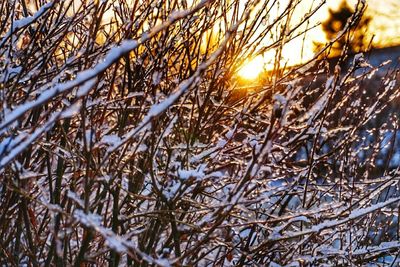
column 126, row 139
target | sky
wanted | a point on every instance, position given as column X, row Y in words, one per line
column 384, row 26
column 385, row 22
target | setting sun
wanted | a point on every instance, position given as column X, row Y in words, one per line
column 252, row 69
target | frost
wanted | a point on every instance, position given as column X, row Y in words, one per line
column 156, row 78
column 333, row 223
column 94, row 221
column 391, row 85
column 196, row 173
column 71, row 110
column 72, row 195
column 19, row 24
column 280, row 99
column 9, row 73
column 128, row 136
column 86, row 87
column 171, row 191
column 110, row 139
column 142, row 148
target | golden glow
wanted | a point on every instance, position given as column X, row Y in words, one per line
column 252, row 69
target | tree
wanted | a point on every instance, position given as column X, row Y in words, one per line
column 355, row 40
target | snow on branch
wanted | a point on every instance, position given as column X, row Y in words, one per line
column 16, row 25
column 112, row 56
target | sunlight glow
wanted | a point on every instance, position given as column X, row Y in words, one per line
column 252, row 69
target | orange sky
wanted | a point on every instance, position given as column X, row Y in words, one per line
column 385, row 26
column 385, row 23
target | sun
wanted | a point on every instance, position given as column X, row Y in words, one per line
column 252, row 69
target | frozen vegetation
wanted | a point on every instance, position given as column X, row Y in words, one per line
column 126, row 138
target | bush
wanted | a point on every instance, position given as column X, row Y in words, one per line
column 125, row 139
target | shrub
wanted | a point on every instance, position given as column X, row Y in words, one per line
column 124, row 140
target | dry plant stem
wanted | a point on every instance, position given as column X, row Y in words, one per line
column 127, row 138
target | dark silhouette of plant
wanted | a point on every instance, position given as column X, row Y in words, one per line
column 355, row 40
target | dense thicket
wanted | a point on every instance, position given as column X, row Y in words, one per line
column 126, row 138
